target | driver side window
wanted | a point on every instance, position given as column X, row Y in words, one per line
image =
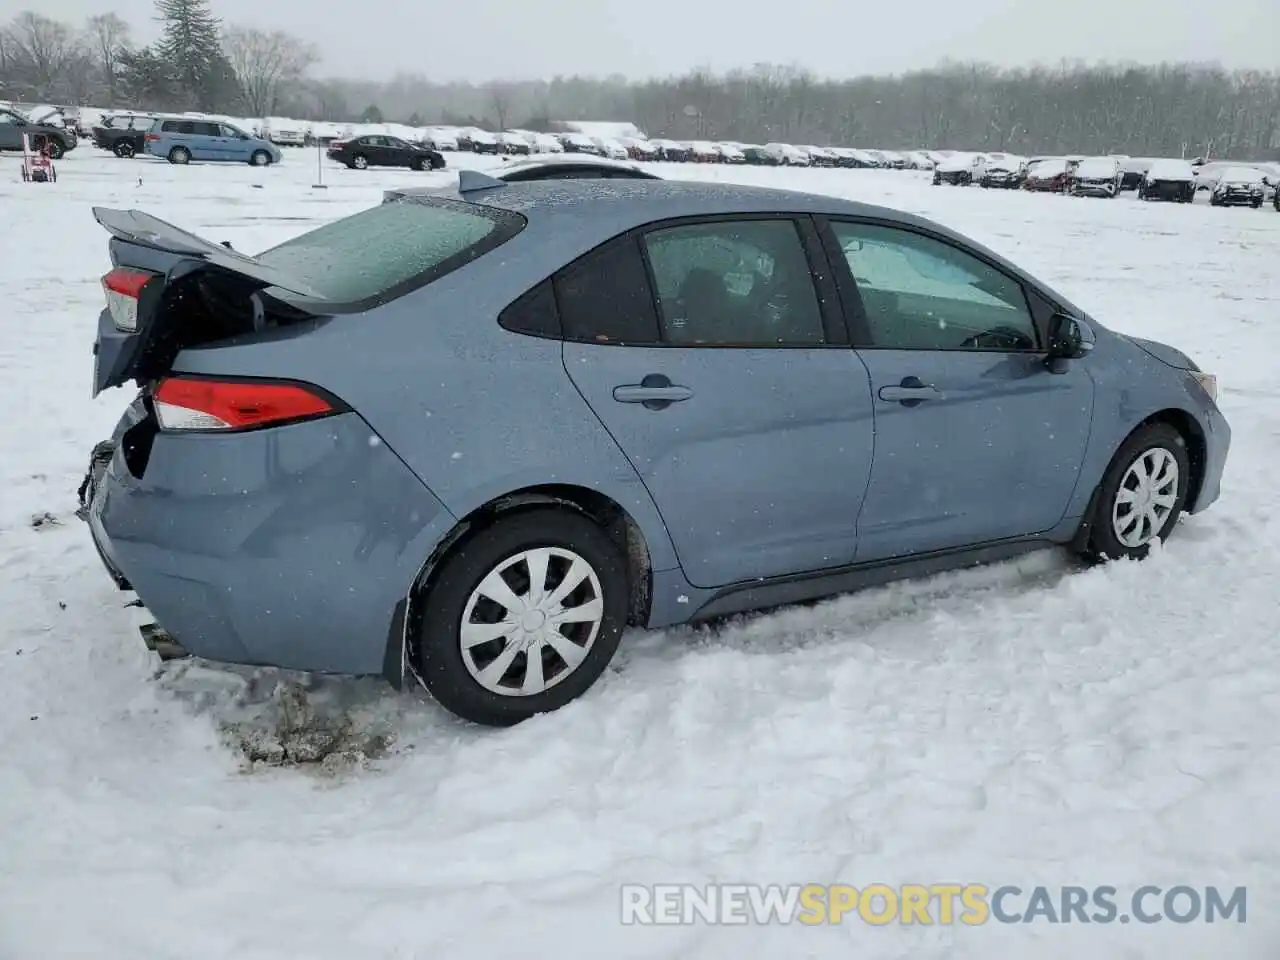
column 919, row 293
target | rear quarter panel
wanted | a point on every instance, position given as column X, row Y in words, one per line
column 475, row 411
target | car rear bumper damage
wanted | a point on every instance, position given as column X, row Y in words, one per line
column 291, row 547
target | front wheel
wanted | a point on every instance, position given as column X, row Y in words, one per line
column 1142, row 495
column 56, row 149
column 522, row 617
column 260, row 158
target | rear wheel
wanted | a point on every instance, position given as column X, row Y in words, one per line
column 124, row 149
column 1142, row 495
column 523, row 616
column 360, row 161
column 180, row 155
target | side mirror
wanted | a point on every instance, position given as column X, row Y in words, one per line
column 1069, row 337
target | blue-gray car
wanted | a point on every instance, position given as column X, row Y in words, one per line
column 180, row 141
column 469, row 435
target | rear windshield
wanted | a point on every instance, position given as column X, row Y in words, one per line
column 386, row 251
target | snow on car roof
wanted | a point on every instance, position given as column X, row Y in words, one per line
column 1170, row 170
column 1241, row 175
column 1098, row 167
column 1049, row 167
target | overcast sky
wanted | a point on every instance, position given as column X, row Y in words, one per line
column 485, row 39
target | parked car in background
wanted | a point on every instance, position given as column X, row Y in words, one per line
column 1238, row 187
column 477, row 461
column 1096, row 177
column 513, row 144
column 571, row 167
column 788, row 155
column 1003, row 171
column 1132, row 171
column 1169, row 180
column 181, row 140
column 123, row 133
column 1048, row 175
column 957, row 170
column 638, row 149
column 760, row 157
column 611, row 149
column 579, row 143
column 438, row 138
column 730, row 153
column 379, row 150
column 56, row 138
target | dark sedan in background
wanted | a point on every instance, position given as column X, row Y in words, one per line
column 372, row 150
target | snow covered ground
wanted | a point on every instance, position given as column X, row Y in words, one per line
column 1028, row 723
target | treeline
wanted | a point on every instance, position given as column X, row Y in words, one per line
column 198, row 63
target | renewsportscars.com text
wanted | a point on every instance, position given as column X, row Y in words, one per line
column 943, row 904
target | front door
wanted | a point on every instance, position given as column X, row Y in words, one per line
column 976, row 439
column 724, row 378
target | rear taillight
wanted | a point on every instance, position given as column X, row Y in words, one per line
column 153, row 137
column 123, row 289
column 183, row 403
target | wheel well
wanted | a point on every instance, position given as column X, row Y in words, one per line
column 1186, row 425
column 611, row 517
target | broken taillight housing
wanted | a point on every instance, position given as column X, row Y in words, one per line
column 123, row 289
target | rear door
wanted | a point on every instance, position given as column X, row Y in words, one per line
column 719, row 363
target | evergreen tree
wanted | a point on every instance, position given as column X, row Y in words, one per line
column 190, row 45
column 371, row 114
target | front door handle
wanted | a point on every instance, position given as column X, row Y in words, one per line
column 655, row 391
column 910, row 392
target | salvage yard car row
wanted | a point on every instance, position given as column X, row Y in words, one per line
column 1227, row 183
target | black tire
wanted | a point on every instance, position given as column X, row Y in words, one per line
column 56, row 148
column 260, row 158
column 1103, row 543
column 124, row 149
column 180, row 155
column 439, row 659
column 422, row 164
column 359, row 162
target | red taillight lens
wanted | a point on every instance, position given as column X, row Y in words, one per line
column 123, row 288
column 196, row 404
column 151, row 136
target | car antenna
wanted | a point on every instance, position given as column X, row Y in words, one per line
column 470, row 181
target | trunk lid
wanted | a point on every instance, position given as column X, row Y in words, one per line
column 166, row 279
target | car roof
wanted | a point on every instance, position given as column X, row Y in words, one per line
column 566, row 218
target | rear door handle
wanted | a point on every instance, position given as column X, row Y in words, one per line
column 910, row 392
column 655, row 391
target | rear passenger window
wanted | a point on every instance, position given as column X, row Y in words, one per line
column 605, row 297
column 739, row 283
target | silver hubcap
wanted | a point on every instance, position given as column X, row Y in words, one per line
column 531, row 622
column 361, row 163
column 1146, row 497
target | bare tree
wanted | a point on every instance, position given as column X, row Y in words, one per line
column 47, row 46
column 264, row 63
column 501, row 96
column 108, row 35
